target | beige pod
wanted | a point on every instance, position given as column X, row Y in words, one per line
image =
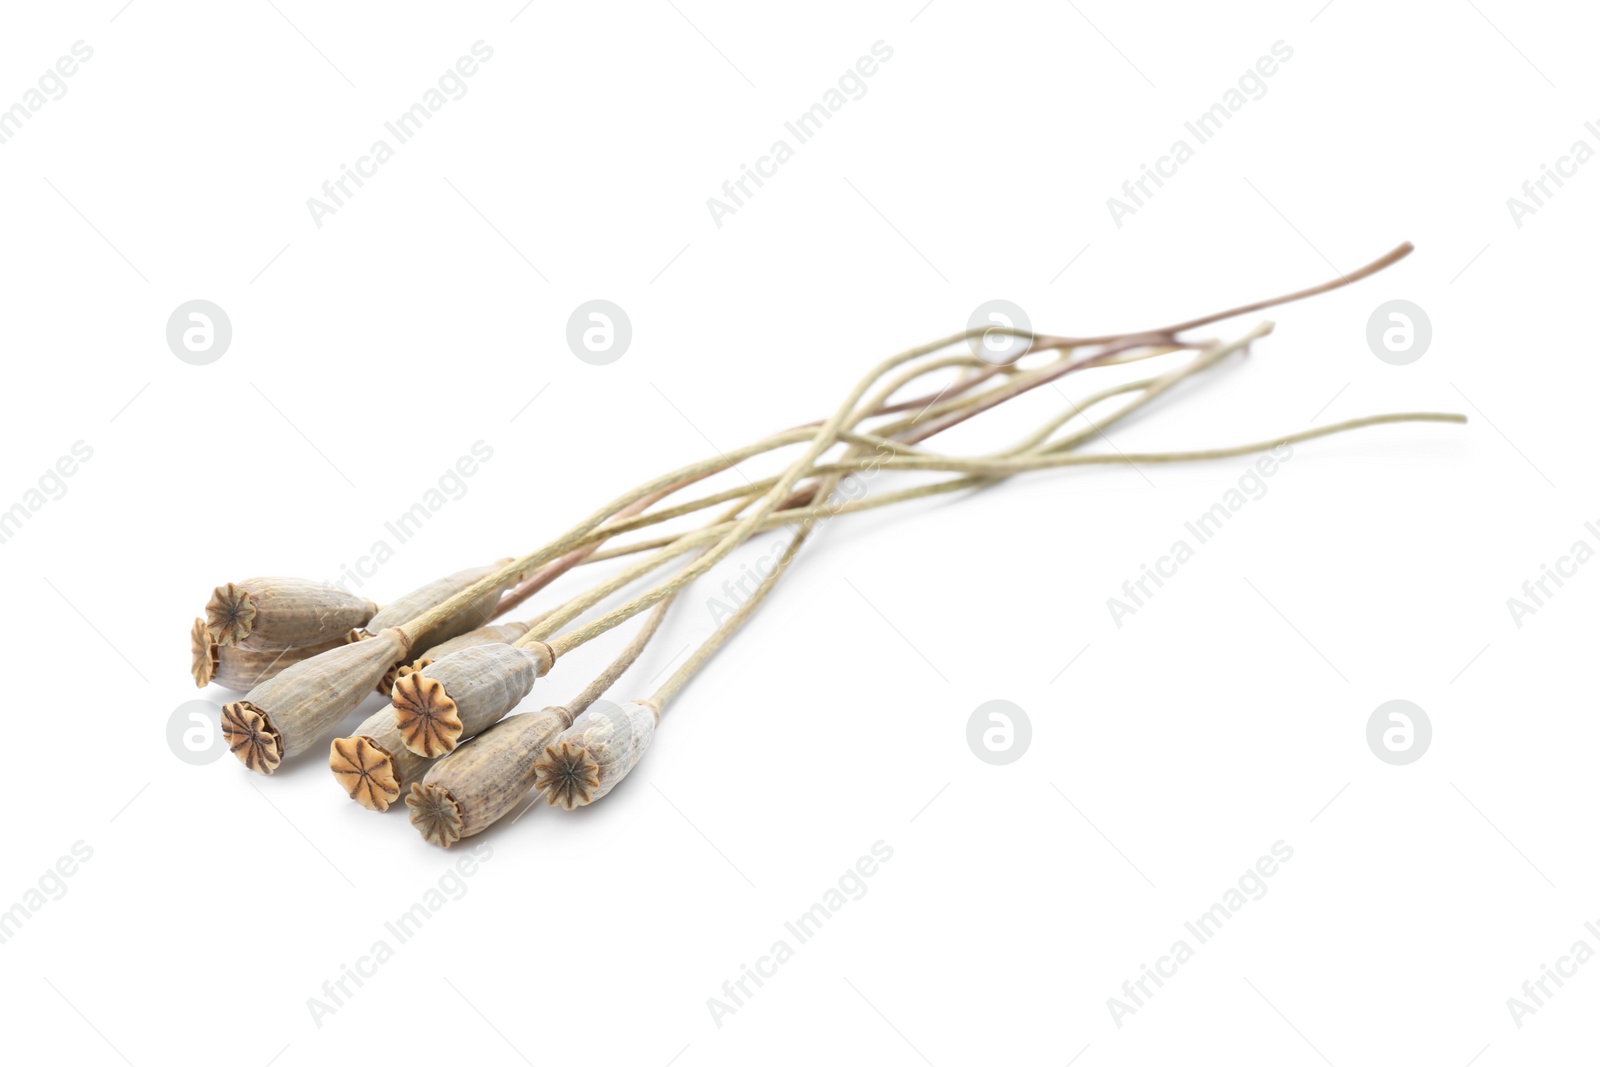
column 372, row 765
column 497, row 633
column 241, row 669
column 462, row 694
column 596, row 752
column 403, row 609
column 467, row 791
column 271, row 614
column 430, row 596
column 289, row 713
column 503, row 633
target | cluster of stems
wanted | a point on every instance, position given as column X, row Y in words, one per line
column 452, row 742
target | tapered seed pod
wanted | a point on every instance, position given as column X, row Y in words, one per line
column 372, row 765
column 462, row 694
column 271, row 614
column 288, row 714
column 238, row 668
column 418, row 601
column 241, row 669
column 596, row 752
column 467, row 791
column 498, row 633
column 403, row 609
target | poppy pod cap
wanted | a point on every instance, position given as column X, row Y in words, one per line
column 372, row 765
column 435, row 813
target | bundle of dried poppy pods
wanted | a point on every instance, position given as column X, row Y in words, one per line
column 452, row 741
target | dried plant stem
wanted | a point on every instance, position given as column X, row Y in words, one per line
column 1011, row 461
column 578, row 534
column 590, row 529
column 1388, row 259
column 730, row 626
column 1207, row 358
column 751, row 491
column 1163, row 337
column 741, row 530
column 821, row 439
column 993, row 468
column 583, row 546
column 556, row 568
column 1049, row 460
column 619, row 666
column 747, row 492
column 1041, row 436
column 589, row 758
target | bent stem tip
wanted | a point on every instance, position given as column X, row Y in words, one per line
column 230, row 614
column 426, row 717
column 251, row 736
column 567, row 775
column 203, row 652
column 435, row 814
column 365, row 770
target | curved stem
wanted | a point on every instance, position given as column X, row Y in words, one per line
column 990, row 469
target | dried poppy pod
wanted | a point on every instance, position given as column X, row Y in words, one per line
column 497, row 633
column 463, row 693
column 241, row 669
column 372, row 765
column 403, row 609
column 289, row 713
column 596, row 752
column 419, row 601
column 238, row 668
column 271, row 614
column 467, row 791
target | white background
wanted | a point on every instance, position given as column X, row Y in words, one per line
column 429, row 313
